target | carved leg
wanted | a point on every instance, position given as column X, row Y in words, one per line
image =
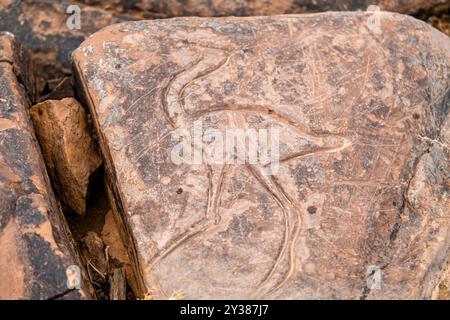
column 290, row 232
column 210, row 219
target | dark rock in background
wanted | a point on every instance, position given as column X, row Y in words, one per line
column 41, row 25
column 211, row 8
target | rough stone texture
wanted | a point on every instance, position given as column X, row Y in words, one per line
column 362, row 189
column 69, row 151
column 442, row 292
column 117, row 251
column 96, row 255
column 208, row 8
column 35, row 249
column 18, row 57
column 118, row 285
column 41, row 26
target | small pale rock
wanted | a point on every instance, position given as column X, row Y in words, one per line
column 359, row 206
column 69, row 151
column 36, row 250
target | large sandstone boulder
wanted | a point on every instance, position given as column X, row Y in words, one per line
column 35, row 249
column 358, row 207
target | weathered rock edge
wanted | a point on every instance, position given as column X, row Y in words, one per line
column 69, row 151
column 35, row 242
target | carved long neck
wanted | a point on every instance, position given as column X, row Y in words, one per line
column 174, row 94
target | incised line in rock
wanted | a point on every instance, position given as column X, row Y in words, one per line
column 180, row 116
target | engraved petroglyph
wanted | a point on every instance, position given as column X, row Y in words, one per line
column 349, row 106
column 210, row 60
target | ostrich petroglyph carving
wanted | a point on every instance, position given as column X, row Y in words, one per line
column 209, row 60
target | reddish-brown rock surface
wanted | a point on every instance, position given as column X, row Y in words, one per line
column 442, row 292
column 42, row 25
column 359, row 207
column 69, row 151
column 209, row 8
column 35, row 249
column 117, row 250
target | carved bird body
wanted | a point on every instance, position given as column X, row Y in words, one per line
column 210, row 60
